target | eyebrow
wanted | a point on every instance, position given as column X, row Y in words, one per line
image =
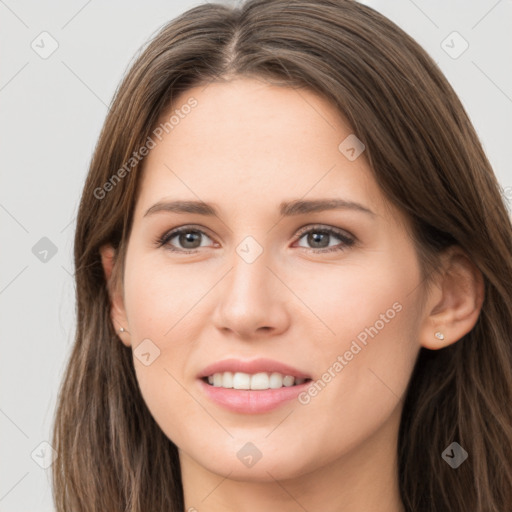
column 286, row 208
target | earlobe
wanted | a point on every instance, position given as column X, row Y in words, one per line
column 117, row 310
column 454, row 307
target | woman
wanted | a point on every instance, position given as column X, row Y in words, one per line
column 294, row 278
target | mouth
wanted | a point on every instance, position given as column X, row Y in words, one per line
column 252, row 387
column 253, row 401
column 258, row 381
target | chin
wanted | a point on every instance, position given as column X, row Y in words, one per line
column 242, row 460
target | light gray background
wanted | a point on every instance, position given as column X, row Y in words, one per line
column 51, row 114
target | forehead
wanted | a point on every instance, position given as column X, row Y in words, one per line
column 247, row 140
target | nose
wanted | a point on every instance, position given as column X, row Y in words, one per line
column 252, row 300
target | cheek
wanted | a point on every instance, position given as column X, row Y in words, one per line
column 160, row 295
column 159, row 301
column 366, row 362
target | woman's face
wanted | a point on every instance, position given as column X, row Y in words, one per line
column 258, row 282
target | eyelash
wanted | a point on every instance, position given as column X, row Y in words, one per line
column 346, row 241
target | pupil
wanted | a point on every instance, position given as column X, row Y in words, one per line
column 189, row 238
column 314, row 238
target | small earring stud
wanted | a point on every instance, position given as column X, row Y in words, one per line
column 439, row 335
column 122, row 329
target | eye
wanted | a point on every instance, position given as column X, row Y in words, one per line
column 319, row 237
column 186, row 235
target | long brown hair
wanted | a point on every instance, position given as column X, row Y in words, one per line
column 428, row 161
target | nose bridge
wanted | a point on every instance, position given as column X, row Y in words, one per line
column 250, row 278
column 250, row 298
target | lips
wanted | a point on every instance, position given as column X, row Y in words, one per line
column 252, row 367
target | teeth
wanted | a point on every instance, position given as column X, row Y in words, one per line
column 241, row 380
column 276, row 381
column 259, row 381
column 288, row 380
column 227, row 380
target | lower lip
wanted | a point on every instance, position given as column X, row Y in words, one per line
column 252, row 401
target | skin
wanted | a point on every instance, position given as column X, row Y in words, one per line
column 246, row 147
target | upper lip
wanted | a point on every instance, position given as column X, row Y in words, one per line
column 252, row 366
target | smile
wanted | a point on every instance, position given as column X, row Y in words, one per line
column 257, row 381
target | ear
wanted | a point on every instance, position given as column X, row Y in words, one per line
column 455, row 301
column 117, row 310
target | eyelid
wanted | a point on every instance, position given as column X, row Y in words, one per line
column 325, row 227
